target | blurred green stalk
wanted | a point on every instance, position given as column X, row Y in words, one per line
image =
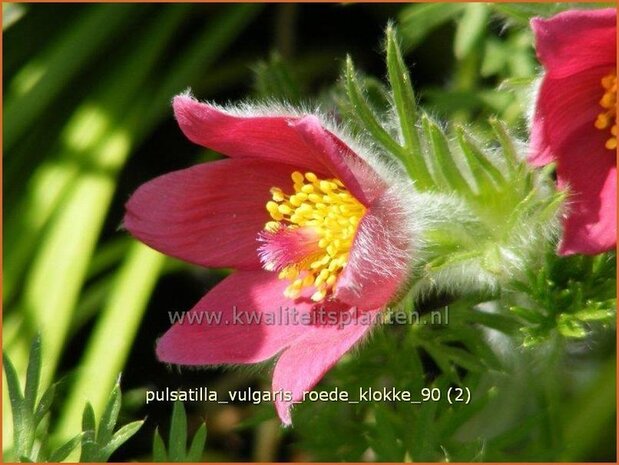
column 37, row 83
column 112, row 339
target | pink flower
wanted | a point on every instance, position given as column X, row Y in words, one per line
column 308, row 224
column 575, row 122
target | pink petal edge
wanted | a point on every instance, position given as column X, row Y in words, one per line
column 303, row 364
column 378, row 262
column 575, row 40
column 226, row 341
column 209, row 214
column 302, row 142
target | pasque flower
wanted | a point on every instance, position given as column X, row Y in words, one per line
column 575, row 121
column 308, row 221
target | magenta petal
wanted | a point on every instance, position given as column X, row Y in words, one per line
column 249, row 340
column 378, row 262
column 209, row 214
column 342, row 163
column 269, row 138
column 576, row 40
column 301, row 142
column 540, row 151
column 304, row 363
column 589, row 171
column 563, row 107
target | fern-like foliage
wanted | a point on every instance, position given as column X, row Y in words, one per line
column 100, row 441
column 177, row 451
column 503, row 212
column 32, row 441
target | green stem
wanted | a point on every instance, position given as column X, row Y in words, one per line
column 110, row 344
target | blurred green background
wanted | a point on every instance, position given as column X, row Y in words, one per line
column 87, row 119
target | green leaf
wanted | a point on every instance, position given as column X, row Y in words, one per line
column 197, row 445
column 159, row 450
column 569, row 326
column 88, row 418
column 44, row 404
column 479, row 348
column 471, row 28
column 33, row 374
column 109, row 417
column 453, row 419
column 486, row 175
column 447, row 173
column 528, row 314
column 12, row 381
column 23, row 430
column 442, row 360
column 119, row 438
column 367, row 117
column 89, row 446
column 462, row 358
column 507, row 144
column 178, row 433
column 63, row 451
column 406, row 107
column 424, row 436
column 595, row 314
column 384, row 440
column 495, row 321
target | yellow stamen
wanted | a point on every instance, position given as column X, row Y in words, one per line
column 608, row 118
column 333, row 213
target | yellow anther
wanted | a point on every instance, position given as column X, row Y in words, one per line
column 284, row 209
column 332, row 214
column 273, row 209
column 297, row 177
column 311, row 177
column 277, row 194
column 319, row 295
column 325, row 186
column 295, row 201
column 289, row 273
column 272, row 206
column 308, row 280
column 271, row 226
column 608, row 118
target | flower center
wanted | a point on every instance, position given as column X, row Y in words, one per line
column 608, row 117
column 311, row 234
